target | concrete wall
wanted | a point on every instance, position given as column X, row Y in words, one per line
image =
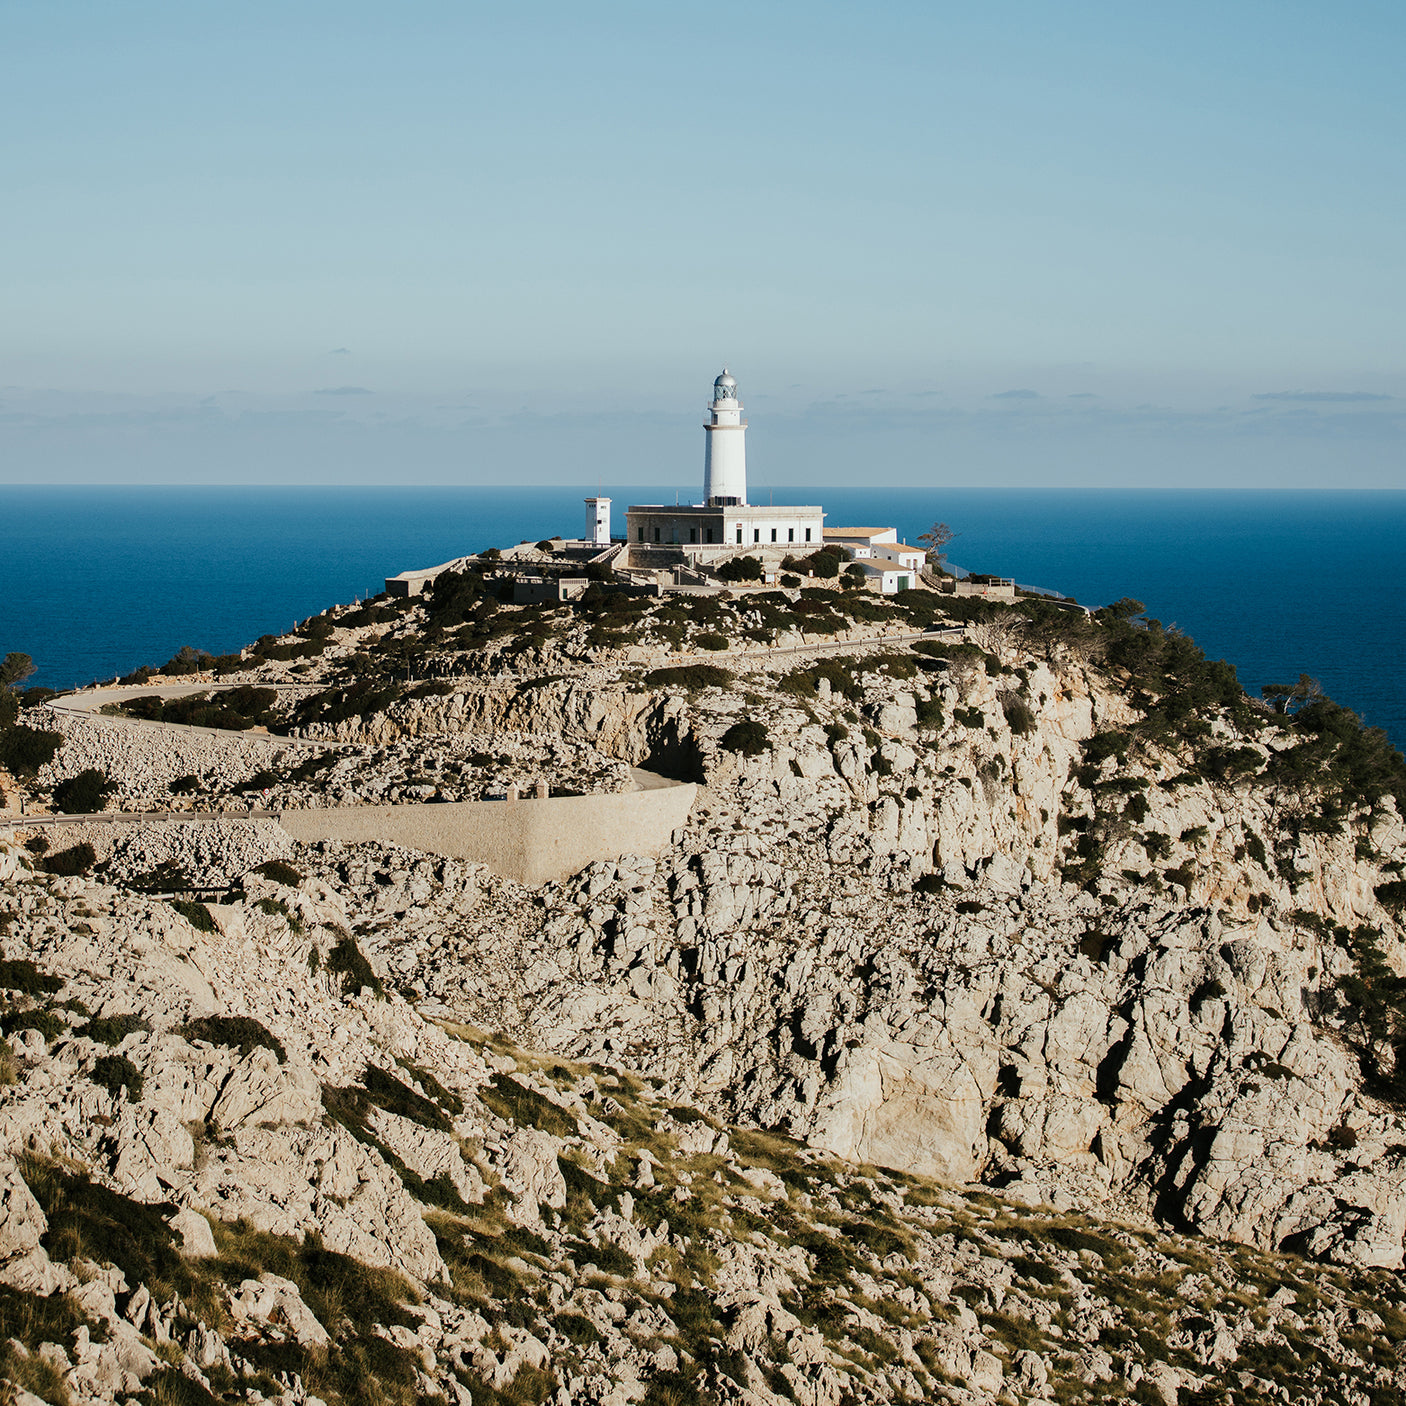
column 532, row 841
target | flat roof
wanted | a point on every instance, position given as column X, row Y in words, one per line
column 736, row 510
column 865, row 532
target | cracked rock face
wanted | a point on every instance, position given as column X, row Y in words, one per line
column 952, row 923
column 1132, row 1042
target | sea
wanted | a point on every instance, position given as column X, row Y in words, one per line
column 95, row 581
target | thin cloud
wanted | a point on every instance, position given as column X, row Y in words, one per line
column 1083, row 395
column 1016, row 395
column 1333, row 397
column 340, row 351
column 343, row 390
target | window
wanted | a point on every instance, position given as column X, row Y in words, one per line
column 710, row 534
column 641, row 534
column 756, row 534
column 656, row 534
column 773, row 534
column 790, row 534
column 692, row 534
column 739, row 536
column 807, row 534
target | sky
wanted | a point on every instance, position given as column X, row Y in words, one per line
column 1084, row 244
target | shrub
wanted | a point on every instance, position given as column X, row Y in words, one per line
column 196, row 914
column 791, row 581
column 1019, row 717
column 576, row 1329
column 184, row 786
column 929, row 712
column 77, row 859
column 749, row 738
column 969, row 717
column 117, row 1072
column 23, row 750
column 83, row 794
column 689, row 677
column 47, row 1023
column 113, row 1029
column 1392, row 895
column 280, row 872
column 22, row 975
column 261, row 780
column 747, row 568
column 238, row 1032
column 711, row 640
column 187, row 660
column 347, row 960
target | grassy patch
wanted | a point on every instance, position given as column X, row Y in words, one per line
column 515, row 1101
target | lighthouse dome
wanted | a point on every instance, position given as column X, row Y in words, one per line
column 725, row 385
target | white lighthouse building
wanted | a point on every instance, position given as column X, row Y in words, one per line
column 724, row 520
column 725, row 447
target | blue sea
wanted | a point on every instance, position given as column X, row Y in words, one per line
column 95, row 581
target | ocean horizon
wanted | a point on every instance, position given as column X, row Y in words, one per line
column 99, row 580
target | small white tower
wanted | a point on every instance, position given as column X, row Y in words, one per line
column 725, row 447
column 598, row 521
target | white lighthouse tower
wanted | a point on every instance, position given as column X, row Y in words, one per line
column 725, row 447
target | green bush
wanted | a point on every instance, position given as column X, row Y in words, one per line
column 750, row 738
column 280, row 873
column 196, row 914
column 1019, row 717
column 747, row 568
column 83, row 794
column 237, row 1032
column 187, row 660
column 113, row 1029
column 1392, row 895
column 576, row 1329
column 711, row 640
column 117, row 1072
column 346, row 960
column 22, row 975
column 689, row 677
column 48, row 1023
column 77, row 859
column 23, row 750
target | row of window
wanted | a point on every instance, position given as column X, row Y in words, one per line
column 756, row 535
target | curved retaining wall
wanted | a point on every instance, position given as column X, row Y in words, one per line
column 532, row 841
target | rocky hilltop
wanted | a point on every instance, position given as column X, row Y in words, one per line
column 1016, row 1016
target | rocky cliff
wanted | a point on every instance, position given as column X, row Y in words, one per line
column 1049, row 921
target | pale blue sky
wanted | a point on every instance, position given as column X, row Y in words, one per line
column 520, row 240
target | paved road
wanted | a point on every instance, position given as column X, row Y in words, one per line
column 91, row 700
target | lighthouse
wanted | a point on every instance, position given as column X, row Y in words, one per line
column 725, row 447
column 714, row 529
